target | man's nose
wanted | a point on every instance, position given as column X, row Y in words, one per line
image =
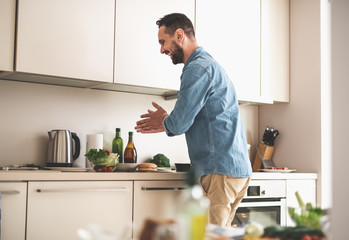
column 162, row 50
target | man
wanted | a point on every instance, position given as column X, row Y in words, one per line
column 207, row 112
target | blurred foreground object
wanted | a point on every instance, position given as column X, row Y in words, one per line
column 192, row 210
column 307, row 215
column 159, row 230
column 96, row 232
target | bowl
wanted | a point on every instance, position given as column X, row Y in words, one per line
column 107, row 164
column 182, row 167
column 126, row 167
column 103, row 168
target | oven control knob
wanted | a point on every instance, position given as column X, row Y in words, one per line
column 263, row 192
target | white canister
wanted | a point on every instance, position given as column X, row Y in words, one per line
column 93, row 141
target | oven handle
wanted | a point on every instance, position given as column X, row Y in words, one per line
column 261, row 204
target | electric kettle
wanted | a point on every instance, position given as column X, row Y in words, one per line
column 61, row 151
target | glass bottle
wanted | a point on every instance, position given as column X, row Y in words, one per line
column 118, row 145
column 192, row 210
column 130, row 155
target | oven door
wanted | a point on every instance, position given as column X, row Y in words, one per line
column 266, row 212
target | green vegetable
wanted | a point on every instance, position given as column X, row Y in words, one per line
column 161, row 160
column 102, row 157
column 299, row 199
column 291, row 232
column 93, row 154
column 309, row 216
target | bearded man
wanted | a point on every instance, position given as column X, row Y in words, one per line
column 207, row 112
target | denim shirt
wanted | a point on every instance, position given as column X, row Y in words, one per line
column 207, row 112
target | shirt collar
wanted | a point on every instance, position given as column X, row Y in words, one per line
column 193, row 55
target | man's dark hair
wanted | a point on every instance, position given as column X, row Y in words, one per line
column 174, row 21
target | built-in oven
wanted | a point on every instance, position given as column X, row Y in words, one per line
column 264, row 202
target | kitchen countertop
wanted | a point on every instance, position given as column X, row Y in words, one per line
column 50, row 175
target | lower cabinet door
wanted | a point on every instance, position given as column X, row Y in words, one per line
column 307, row 191
column 156, row 200
column 13, row 209
column 56, row 210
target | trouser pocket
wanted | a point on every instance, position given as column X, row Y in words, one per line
column 205, row 183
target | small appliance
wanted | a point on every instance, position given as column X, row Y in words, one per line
column 63, row 148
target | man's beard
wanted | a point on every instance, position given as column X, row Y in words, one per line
column 177, row 54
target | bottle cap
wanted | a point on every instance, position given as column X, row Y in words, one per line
column 117, row 129
column 130, row 133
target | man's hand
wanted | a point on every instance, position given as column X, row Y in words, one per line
column 152, row 121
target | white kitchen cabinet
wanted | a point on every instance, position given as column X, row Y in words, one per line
column 7, row 36
column 250, row 39
column 66, row 38
column 56, row 210
column 305, row 188
column 155, row 200
column 13, row 210
column 138, row 60
column 230, row 31
column 275, row 50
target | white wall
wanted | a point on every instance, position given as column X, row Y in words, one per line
column 340, row 118
column 29, row 111
column 326, row 111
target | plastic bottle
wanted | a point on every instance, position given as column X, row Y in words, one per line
column 118, row 145
column 192, row 210
column 130, row 155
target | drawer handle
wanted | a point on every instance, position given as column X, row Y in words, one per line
column 162, row 188
column 82, row 190
column 10, row 192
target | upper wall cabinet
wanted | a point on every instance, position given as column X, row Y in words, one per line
column 67, row 42
column 138, row 60
column 66, row 38
column 275, row 50
column 230, row 31
column 7, row 36
column 250, row 40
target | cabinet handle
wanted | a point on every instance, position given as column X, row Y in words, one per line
column 10, row 192
column 162, row 188
column 82, row 190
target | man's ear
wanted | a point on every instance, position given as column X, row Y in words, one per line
column 179, row 35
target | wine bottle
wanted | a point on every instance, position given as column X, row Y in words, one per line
column 118, row 145
column 130, row 155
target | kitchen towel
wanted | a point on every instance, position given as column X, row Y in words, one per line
column 93, row 141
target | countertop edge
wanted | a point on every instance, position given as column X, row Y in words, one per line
column 37, row 175
column 47, row 175
column 267, row 175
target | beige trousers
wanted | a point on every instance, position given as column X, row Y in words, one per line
column 225, row 193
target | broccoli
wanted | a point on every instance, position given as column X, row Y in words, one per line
column 161, row 160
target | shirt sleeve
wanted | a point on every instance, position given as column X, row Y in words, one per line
column 194, row 92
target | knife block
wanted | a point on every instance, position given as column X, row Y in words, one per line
column 266, row 154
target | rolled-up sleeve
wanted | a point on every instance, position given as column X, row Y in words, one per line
column 196, row 87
